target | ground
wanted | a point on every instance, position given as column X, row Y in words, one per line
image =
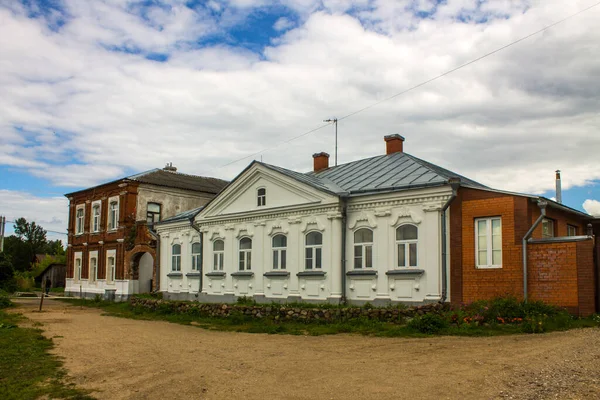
column 132, row 359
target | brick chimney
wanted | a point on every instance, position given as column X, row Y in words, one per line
column 393, row 143
column 320, row 161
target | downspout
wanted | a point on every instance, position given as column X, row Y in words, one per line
column 157, row 261
column 200, row 267
column 344, row 201
column 454, row 184
column 542, row 205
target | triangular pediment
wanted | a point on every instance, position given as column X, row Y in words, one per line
column 281, row 192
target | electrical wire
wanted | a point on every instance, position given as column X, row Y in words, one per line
column 412, row 87
column 60, row 233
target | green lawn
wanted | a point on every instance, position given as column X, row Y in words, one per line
column 27, row 369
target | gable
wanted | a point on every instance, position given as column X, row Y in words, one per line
column 282, row 192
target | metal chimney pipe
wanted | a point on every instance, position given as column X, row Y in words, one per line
column 558, row 187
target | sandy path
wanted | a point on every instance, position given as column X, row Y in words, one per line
column 130, row 359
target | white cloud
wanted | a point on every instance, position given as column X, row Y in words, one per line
column 283, row 24
column 49, row 212
column 508, row 121
column 592, row 207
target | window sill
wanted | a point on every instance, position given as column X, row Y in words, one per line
column 311, row 273
column 193, row 274
column 277, row 274
column 216, row 274
column 175, row 275
column 112, row 230
column 405, row 272
column 488, row 267
column 362, row 272
column 243, row 274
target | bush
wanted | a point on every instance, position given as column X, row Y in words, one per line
column 4, row 300
column 428, row 323
column 534, row 324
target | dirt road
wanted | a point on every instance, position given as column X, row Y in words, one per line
column 129, row 359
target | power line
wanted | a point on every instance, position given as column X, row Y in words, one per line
column 413, row 87
column 60, row 233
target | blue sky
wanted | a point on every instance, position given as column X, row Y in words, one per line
column 97, row 90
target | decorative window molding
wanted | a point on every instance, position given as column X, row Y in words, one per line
column 79, row 219
column 112, row 222
column 312, row 225
column 96, row 216
column 363, row 220
column 111, row 266
column 218, row 254
column 245, row 254
column 279, row 252
column 405, row 215
column 363, row 248
column 243, row 232
column 313, row 251
column 77, row 263
column 407, row 246
column 217, row 235
column 196, row 255
column 176, row 258
column 277, row 229
column 93, row 266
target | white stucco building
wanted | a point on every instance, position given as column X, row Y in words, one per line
column 367, row 231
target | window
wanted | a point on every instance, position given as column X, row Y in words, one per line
column 571, row 230
column 79, row 228
column 363, row 248
column 313, row 250
column 261, row 198
column 77, row 272
column 218, row 254
column 406, row 244
column 110, row 269
column 176, row 257
column 245, row 254
column 113, row 215
column 96, row 218
column 93, row 269
column 196, row 256
column 153, row 213
column 547, row 228
column 488, row 239
column 279, row 251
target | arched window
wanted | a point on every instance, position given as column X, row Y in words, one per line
column 406, row 243
column 77, row 274
column 113, row 215
column 196, row 256
column 80, row 213
column 176, row 257
column 363, row 248
column 218, row 255
column 93, row 269
column 245, row 254
column 261, row 197
column 313, row 250
column 279, row 251
column 96, row 218
column 110, row 269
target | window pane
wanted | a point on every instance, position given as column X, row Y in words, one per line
column 401, row 255
column 308, row 254
column 248, row 260
column 496, row 227
column 262, row 192
column 245, row 243
column 218, row 245
column 279, row 241
column 412, row 248
column 221, row 257
column 497, row 257
column 196, row 248
column 482, row 227
column 153, row 207
column 283, row 256
column 215, row 261
column 318, row 257
column 496, row 242
column 275, row 259
column 369, row 256
column 406, row 232
column 482, row 258
column 176, row 249
column 363, row 236
column 358, row 256
column 314, row 238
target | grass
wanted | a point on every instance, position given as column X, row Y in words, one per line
column 363, row 326
column 27, row 369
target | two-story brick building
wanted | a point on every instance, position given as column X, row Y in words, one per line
column 112, row 248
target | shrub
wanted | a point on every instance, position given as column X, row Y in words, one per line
column 4, row 300
column 428, row 323
column 534, row 324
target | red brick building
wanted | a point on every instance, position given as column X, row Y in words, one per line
column 561, row 262
column 111, row 245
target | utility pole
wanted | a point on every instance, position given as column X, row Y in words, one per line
column 334, row 120
column 2, row 224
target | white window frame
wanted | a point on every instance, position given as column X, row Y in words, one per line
column 244, row 255
column 489, row 243
column 175, row 258
column 364, row 247
column 261, row 199
column 80, row 219
column 196, row 257
column 96, row 218
column 111, row 270
column 112, row 213
column 279, row 253
column 571, row 229
column 77, row 267
column 93, row 277
column 316, row 262
column 548, row 222
column 218, row 256
column 407, row 252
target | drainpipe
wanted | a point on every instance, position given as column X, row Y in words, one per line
column 157, row 261
column 454, row 184
column 200, row 269
column 344, row 201
column 542, row 205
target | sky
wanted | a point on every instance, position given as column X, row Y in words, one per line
column 92, row 91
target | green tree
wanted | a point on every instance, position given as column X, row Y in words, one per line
column 19, row 253
column 7, row 271
column 55, row 248
column 33, row 234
